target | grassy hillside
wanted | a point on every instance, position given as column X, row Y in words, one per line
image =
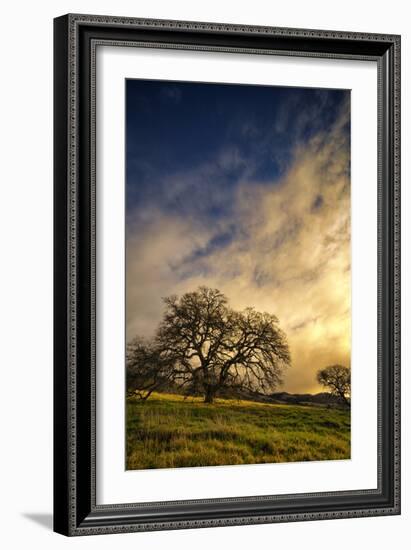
column 169, row 432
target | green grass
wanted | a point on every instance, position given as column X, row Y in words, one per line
column 167, row 431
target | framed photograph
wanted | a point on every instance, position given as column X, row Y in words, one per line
column 227, row 276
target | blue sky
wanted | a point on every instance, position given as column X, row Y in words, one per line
column 223, row 181
column 248, row 133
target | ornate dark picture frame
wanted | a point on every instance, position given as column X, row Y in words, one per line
column 76, row 38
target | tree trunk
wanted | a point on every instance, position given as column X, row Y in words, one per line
column 209, row 395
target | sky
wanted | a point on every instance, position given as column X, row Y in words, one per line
column 246, row 189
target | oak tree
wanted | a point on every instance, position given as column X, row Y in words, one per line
column 204, row 344
column 337, row 379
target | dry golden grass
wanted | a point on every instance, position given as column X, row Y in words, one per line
column 168, row 431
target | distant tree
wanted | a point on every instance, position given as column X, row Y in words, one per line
column 202, row 343
column 337, row 379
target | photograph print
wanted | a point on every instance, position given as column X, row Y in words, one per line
column 238, row 274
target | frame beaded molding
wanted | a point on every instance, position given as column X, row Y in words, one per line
column 72, row 231
column 397, row 273
column 72, row 271
column 228, row 27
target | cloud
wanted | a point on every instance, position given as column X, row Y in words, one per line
column 282, row 247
